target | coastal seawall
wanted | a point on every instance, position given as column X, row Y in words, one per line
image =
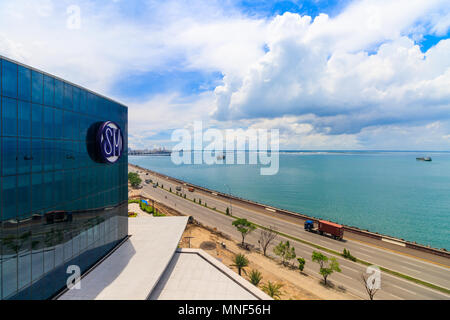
column 377, row 239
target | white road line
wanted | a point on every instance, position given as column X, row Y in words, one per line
column 414, row 265
column 413, row 270
column 348, row 268
column 348, row 277
column 360, row 249
column 391, row 294
column 394, row 285
column 363, row 254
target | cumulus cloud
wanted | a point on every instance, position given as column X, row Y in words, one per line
column 328, row 69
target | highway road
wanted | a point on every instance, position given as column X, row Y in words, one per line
column 392, row 287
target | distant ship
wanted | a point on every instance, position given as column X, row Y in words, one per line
column 221, row 157
column 424, row 159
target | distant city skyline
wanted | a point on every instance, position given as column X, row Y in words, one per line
column 371, row 74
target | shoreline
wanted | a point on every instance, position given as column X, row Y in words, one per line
column 382, row 240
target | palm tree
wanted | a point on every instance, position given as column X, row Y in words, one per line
column 255, row 277
column 273, row 289
column 240, row 262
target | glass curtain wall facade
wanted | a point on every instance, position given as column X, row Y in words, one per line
column 59, row 207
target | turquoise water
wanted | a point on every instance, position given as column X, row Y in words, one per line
column 386, row 192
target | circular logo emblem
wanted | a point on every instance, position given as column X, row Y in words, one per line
column 110, row 142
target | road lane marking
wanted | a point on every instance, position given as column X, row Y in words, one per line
column 343, row 275
column 391, row 294
column 363, row 254
column 412, row 292
column 348, row 268
column 411, row 270
column 398, row 252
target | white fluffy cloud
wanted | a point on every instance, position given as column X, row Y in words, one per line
column 358, row 70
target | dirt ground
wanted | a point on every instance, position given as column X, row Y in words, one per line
column 296, row 286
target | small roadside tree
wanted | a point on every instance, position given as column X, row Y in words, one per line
column 266, row 237
column 134, row 179
column 240, row 262
column 327, row 265
column 370, row 284
column 227, row 211
column 255, row 277
column 244, row 227
column 285, row 252
column 301, row 264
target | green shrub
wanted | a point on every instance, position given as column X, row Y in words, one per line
column 240, row 262
column 347, row 255
column 301, row 264
column 159, row 214
column 255, row 277
column 273, row 289
column 146, row 208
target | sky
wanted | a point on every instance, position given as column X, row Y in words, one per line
column 366, row 75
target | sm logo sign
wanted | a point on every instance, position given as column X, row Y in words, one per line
column 110, row 142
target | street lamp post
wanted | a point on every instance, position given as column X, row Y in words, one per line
column 229, row 197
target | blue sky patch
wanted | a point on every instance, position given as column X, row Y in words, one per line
column 430, row 40
column 309, row 7
column 144, row 85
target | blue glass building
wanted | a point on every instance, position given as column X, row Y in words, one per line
column 59, row 205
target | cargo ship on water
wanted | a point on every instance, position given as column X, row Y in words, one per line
column 424, row 159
